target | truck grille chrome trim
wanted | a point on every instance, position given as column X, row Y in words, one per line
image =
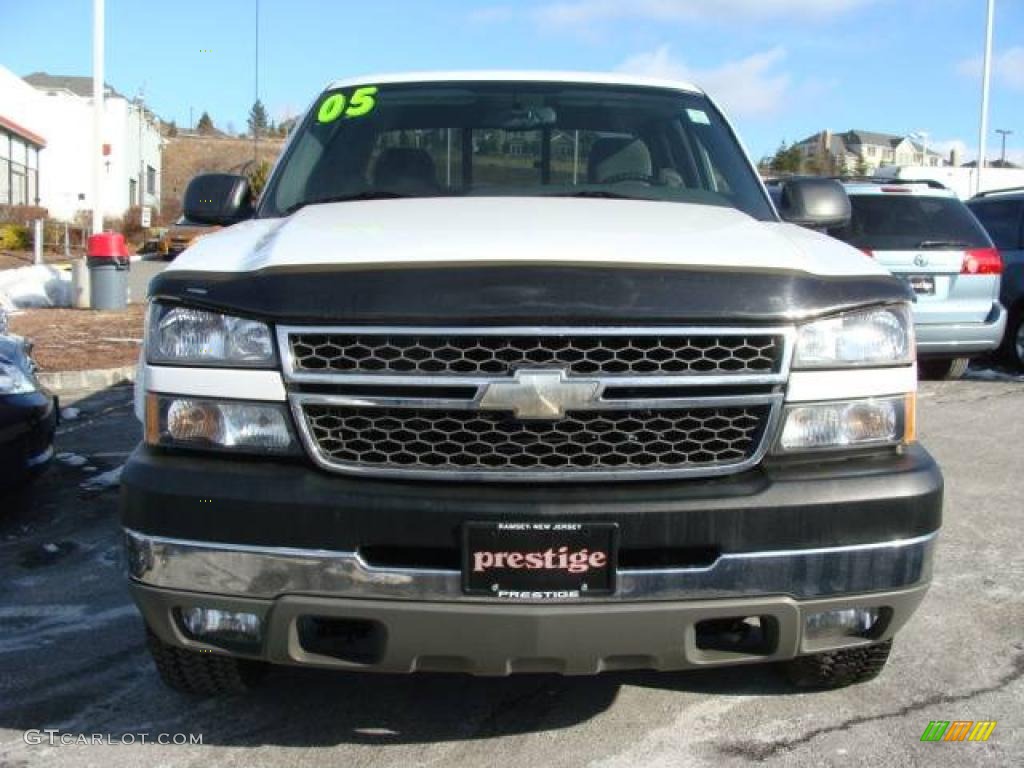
column 535, row 414
column 269, row 572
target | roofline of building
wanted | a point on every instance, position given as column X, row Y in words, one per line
column 25, row 133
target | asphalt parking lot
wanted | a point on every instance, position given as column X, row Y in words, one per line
column 72, row 655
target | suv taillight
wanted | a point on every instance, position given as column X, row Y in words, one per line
column 982, row 261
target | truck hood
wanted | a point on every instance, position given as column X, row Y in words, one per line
column 500, row 230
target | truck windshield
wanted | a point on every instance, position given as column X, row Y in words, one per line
column 529, row 139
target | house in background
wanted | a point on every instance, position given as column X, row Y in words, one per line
column 58, row 109
column 867, row 151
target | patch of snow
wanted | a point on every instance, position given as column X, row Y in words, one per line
column 992, row 374
column 72, row 459
column 104, row 480
column 69, row 414
column 36, row 286
column 89, row 468
column 51, row 548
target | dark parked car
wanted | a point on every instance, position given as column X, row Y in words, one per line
column 1002, row 214
column 28, row 413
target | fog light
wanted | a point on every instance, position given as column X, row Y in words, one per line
column 839, row 625
column 217, row 625
column 190, row 422
column 848, row 424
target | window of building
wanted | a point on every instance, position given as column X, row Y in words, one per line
column 871, row 151
column 150, row 180
column 19, row 172
column 133, row 192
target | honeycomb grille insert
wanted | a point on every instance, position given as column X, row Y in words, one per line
column 494, row 442
column 495, row 355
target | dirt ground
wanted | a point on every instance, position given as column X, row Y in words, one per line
column 79, row 339
column 14, row 259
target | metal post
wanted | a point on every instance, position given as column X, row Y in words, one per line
column 986, row 81
column 575, row 157
column 448, row 161
column 37, row 241
column 1003, row 132
column 142, row 163
column 97, row 108
column 255, row 128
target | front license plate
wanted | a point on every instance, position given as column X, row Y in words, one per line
column 539, row 560
column 922, row 285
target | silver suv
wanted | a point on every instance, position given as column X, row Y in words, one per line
column 925, row 235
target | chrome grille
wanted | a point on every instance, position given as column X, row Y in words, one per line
column 546, row 404
column 492, row 355
column 461, row 440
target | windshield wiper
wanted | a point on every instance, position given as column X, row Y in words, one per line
column 943, row 244
column 370, row 194
column 599, row 193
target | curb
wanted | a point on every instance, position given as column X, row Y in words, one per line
column 60, row 382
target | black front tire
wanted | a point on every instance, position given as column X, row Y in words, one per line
column 943, row 370
column 838, row 669
column 203, row 674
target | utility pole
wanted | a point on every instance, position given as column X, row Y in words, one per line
column 142, row 162
column 256, row 128
column 1002, row 155
column 97, row 116
column 986, row 81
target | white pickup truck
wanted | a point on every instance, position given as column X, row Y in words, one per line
column 519, row 372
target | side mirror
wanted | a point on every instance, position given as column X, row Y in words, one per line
column 218, row 198
column 814, row 203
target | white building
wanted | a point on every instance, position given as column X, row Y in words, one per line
column 58, row 110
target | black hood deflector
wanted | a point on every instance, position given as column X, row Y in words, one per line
column 526, row 294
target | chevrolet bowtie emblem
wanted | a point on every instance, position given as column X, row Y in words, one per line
column 540, row 394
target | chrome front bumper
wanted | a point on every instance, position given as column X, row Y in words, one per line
column 269, row 572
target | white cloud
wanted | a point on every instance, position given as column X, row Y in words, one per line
column 492, row 14
column 575, row 12
column 748, row 87
column 1007, row 67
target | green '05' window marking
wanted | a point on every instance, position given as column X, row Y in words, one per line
column 361, row 102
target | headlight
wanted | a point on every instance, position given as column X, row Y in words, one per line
column 13, row 380
column 189, row 336
column 883, row 336
column 850, row 424
column 191, row 422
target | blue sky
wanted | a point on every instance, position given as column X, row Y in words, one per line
column 783, row 68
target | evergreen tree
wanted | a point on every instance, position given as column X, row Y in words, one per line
column 205, row 124
column 258, row 119
column 786, row 160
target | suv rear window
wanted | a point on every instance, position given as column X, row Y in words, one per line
column 1002, row 219
column 892, row 222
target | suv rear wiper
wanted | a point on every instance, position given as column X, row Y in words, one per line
column 943, row 244
column 370, row 194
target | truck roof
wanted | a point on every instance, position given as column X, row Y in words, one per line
column 599, row 78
